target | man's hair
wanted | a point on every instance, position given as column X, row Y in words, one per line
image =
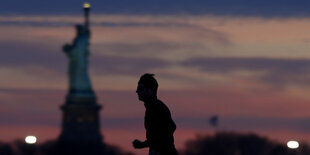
column 149, row 81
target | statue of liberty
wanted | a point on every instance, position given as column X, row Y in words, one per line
column 78, row 52
column 80, row 121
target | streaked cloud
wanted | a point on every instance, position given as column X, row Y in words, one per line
column 124, row 65
column 273, row 71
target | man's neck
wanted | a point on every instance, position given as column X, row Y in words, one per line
column 150, row 100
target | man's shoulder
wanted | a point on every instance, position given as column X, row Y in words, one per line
column 162, row 106
column 160, row 103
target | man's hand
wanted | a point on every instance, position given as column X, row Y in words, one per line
column 137, row 144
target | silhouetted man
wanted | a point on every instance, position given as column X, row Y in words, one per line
column 157, row 121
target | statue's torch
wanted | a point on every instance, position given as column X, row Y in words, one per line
column 86, row 7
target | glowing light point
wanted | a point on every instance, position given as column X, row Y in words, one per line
column 292, row 144
column 31, row 139
column 86, row 5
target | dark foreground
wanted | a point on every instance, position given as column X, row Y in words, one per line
column 218, row 144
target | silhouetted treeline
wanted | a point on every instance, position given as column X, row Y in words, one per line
column 5, row 149
column 53, row 148
column 239, row 144
column 218, row 144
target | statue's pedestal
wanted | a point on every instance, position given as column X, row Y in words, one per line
column 80, row 121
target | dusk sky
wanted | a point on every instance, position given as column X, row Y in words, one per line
column 246, row 61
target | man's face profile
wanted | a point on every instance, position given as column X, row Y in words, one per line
column 143, row 92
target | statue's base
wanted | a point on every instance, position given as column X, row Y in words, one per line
column 80, row 122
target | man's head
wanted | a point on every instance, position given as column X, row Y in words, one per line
column 147, row 87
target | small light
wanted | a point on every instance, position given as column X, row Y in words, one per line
column 86, row 5
column 31, row 139
column 292, row 144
